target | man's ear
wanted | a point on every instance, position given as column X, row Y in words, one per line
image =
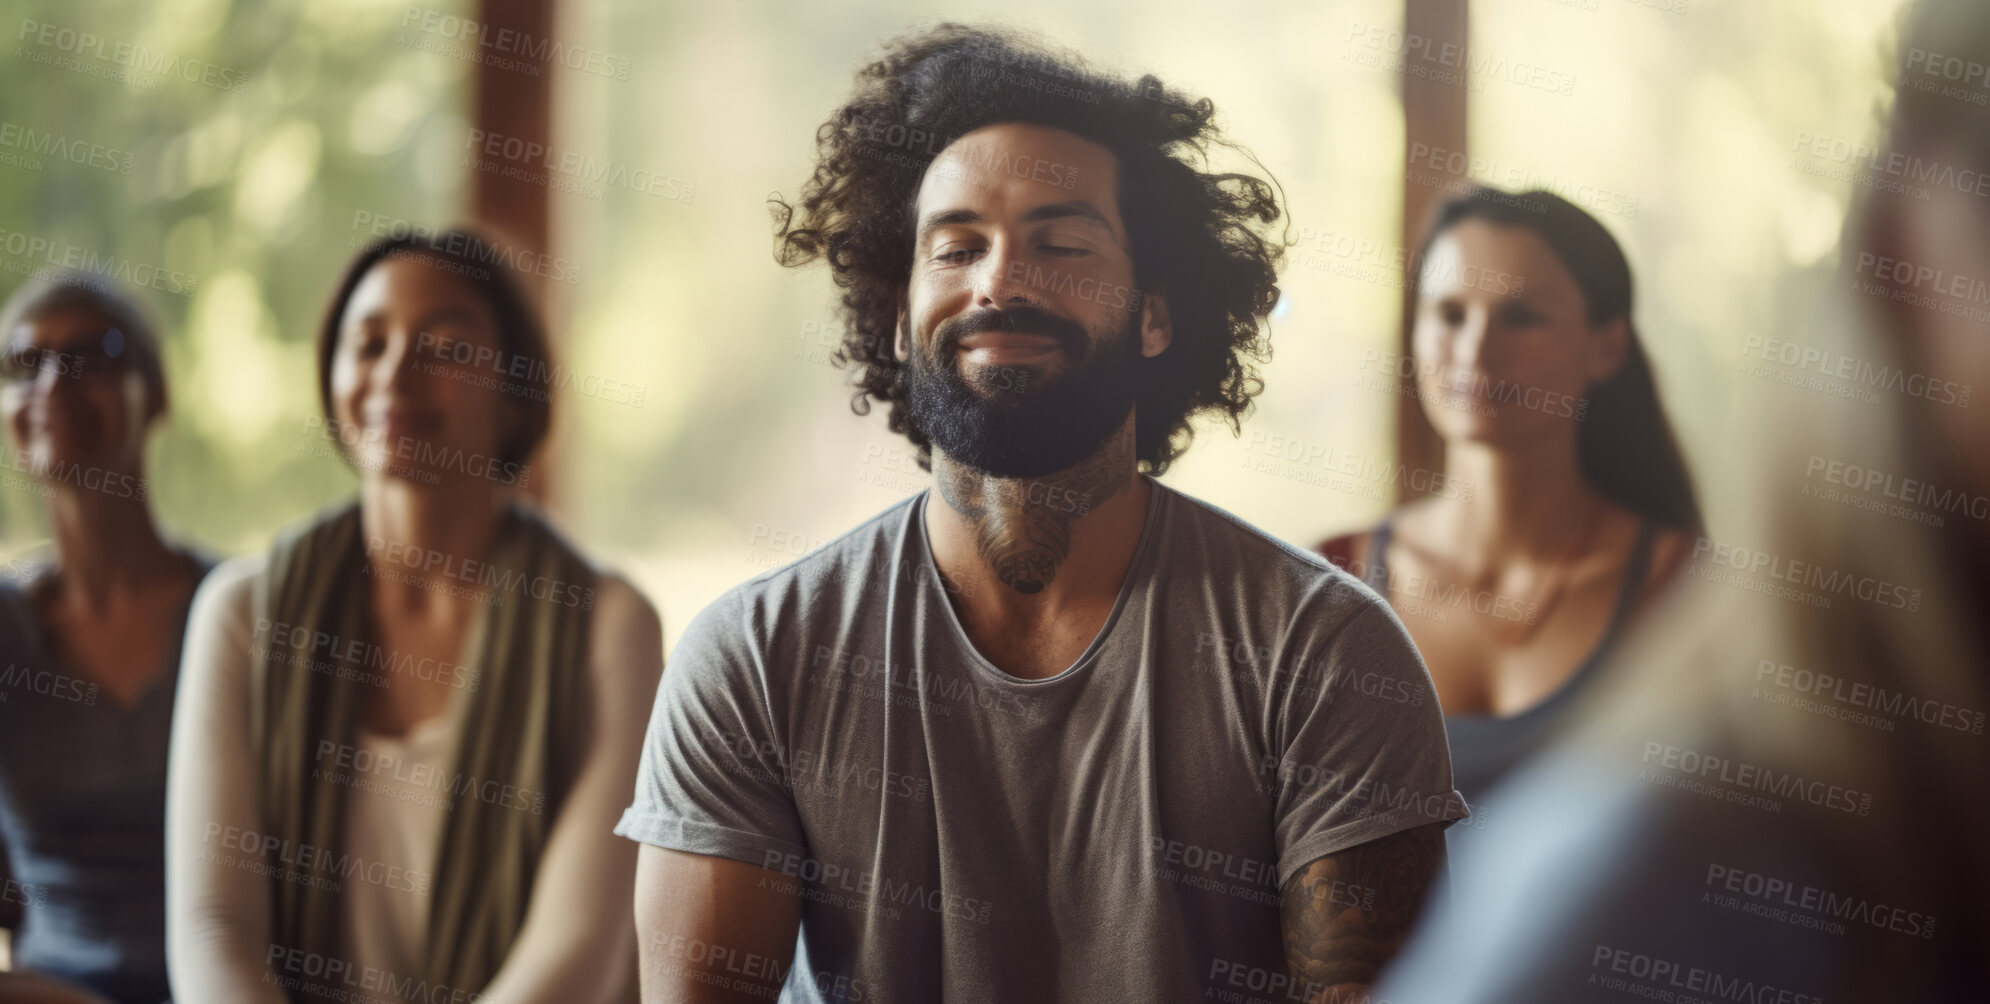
column 1608, row 346
column 1157, row 329
column 901, row 343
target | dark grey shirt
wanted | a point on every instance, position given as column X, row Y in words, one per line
column 82, row 814
column 1119, row 831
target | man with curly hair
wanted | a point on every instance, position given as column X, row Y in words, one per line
column 1054, row 731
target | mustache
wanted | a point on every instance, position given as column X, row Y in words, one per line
column 1070, row 335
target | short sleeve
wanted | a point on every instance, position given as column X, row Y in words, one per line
column 711, row 778
column 1362, row 751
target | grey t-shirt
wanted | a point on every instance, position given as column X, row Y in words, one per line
column 1119, row 831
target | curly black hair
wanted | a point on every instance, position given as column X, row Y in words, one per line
column 1200, row 236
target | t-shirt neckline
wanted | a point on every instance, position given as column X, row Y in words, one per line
column 1136, row 572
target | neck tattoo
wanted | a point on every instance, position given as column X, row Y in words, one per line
column 1022, row 526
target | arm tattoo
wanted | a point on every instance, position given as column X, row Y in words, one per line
column 1022, row 528
column 1346, row 914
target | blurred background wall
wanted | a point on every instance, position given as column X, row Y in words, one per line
column 248, row 148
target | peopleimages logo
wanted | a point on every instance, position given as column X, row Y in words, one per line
column 46, row 144
column 23, row 893
column 1060, row 283
column 46, row 683
column 462, row 245
column 306, row 858
column 1230, row 980
column 88, row 478
column 357, row 654
column 1741, row 776
column 498, row 580
column 1886, row 485
column 362, row 765
column 1857, row 374
column 1778, row 895
column 804, row 768
column 1326, row 465
column 1880, row 160
column 129, row 55
column 487, row 148
column 974, row 165
column 1470, row 65
column 1380, row 794
column 341, row 978
column 1480, row 392
column 1618, row 963
column 1862, row 696
column 511, row 42
column 27, row 248
column 411, row 457
column 870, row 887
column 1939, row 281
column 1239, row 658
column 525, row 376
column 1806, row 574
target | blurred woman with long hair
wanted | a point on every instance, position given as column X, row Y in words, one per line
column 89, row 648
column 406, row 731
column 1567, row 504
column 1778, row 792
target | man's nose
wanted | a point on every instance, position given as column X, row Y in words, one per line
column 1002, row 280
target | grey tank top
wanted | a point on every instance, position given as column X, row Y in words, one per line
column 1485, row 748
column 83, row 813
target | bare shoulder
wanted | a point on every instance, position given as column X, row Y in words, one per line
column 222, row 634
column 1668, row 555
column 627, row 638
column 226, row 593
column 1417, row 520
column 1670, row 546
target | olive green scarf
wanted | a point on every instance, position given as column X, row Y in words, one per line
column 521, row 725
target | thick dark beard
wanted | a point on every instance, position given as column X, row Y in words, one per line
column 1026, row 426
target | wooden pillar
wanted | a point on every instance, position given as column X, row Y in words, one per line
column 515, row 104
column 519, row 104
column 1434, row 116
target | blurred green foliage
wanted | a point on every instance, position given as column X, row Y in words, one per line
column 253, row 131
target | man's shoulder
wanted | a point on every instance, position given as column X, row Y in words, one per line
column 833, row 578
column 1225, row 545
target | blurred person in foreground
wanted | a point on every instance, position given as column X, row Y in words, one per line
column 1781, row 795
column 405, row 731
column 1568, row 507
column 1051, row 730
column 89, row 649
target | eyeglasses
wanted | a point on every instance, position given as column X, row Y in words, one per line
column 105, row 357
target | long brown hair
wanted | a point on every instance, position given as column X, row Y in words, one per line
column 1624, row 444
